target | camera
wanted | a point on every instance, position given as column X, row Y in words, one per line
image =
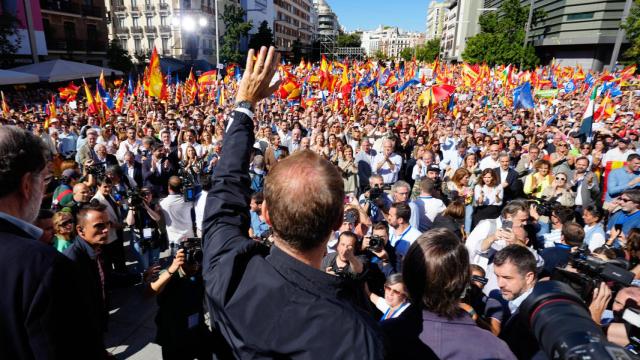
column 376, row 243
column 189, row 188
column 562, row 325
column 135, row 198
column 97, row 170
column 544, row 207
column 591, row 272
column 375, row 193
column 192, row 250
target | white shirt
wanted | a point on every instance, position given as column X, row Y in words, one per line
column 616, row 155
column 388, row 176
column 448, row 147
column 130, row 171
column 515, row 303
column 402, row 242
column 428, row 208
column 201, row 201
column 126, row 146
column 196, row 146
column 597, row 239
column 488, row 163
column 492, row 195
column 177, row 214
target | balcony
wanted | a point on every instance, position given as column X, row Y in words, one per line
column 165, row 29
column 60, row 6
column 93, row 11
column 163, row 8
column 136, row 29
column 135, row 11
column 119, row 9
column 149, row 9
column 150, row 29
column 122, row 31
column 75, row 45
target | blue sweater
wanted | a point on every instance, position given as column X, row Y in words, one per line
column 628, row 221
column 617, row 182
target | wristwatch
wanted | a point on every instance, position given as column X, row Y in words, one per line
column 245, row 105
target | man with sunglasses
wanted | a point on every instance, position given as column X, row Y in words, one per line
column 628, row 217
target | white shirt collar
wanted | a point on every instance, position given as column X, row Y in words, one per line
column 515, row 303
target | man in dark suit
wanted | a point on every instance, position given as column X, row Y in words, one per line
column 156, row 172
column 508, row 179
column 132, row 171
column 274, row 152
column 41, row 302
column 103, row 158
column 86, row 253
column 240, row 279
column 585, row 184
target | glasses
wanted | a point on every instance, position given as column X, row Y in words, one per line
column 560, row 178
column 65, row 223
column 403, row 132
column 562, row 145
column 625, row 199
column 393, row 291
column 402, row 193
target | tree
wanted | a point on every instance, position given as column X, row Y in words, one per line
column 632, row 27
column 118, row 58
column 348, row 40
column 9, row 40
column 235, row 28
column 427, row 52
column 264, row 37
column 379, row 55
column 501, row 37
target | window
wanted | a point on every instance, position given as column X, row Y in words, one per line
column 165, row 44
column 580, row 16
column 92, row 32
column 163, row 20
column 134, row 3
column 120, row 22
column 136, row 21
column 150, row 43
column 69, row 30
column 149, row 21
column 137, row 45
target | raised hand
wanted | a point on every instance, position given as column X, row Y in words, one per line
column 254, row 85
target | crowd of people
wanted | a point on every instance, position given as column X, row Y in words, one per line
column 327, row 228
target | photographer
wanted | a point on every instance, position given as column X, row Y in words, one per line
column 344, row 262
column 182, row 331
column 143, row 218
column 374, row 201
column 572, row 237
column 177, row 214
column 377, row 244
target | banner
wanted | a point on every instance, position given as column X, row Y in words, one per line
column 547, row 93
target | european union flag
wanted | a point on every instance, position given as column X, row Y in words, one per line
column 384, row 77
column 407, row 84
column 589, row 80
column 130, row 85
column 522, row 97
column 569, row 86
column 104, row 94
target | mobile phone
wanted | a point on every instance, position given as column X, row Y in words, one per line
column 507, row 225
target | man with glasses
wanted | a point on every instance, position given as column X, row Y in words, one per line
column 624, row 178
column 619, row 153
column 561, row 161
column 41, row 301
column 628, row 217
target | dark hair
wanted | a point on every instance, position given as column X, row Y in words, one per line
column 258, row 197
column 564, row 214
column 455, row 209
column 573, row 234
column 633, row 241
column 478, row 268
column 206, row 182
column 302, row 218
column 93, row 205
column 633, row 157
column 633, row 195
column 403, row 211
column 21, row 152
column 513, row 207
column 436, row 272
column 517, row 255
column 381, row 226
column 103, row 180
column 595, row 211
column 494, row 177
column 347, row 234
column 44, row 214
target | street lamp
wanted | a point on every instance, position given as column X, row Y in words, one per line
column 189, row 24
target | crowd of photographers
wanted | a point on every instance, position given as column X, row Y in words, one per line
column 486, row 226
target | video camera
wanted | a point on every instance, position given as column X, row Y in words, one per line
column 544, row 207
column 135, row 198
column 192, row 250
column 562, row 325
column 189, row 187
column 591, row 272
column 97, row 170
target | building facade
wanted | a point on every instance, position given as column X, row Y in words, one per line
column 575, row 32
column 436, row 18
column 293, row 20
column 390, row 41
column 75, row 30
column 328, row 24
column 461, row 24
column 182, row 29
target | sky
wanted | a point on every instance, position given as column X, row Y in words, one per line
column 410, row 15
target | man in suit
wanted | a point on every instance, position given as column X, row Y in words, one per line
column 86, row 253
column 41, row 302
column 585, row 184
column 508, row 179
column 132, row 171
column 526, row 164
column 103, row 158
column 113, row 250
column 156, row 172
column 87, row 152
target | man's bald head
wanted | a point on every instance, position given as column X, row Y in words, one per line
column 81, row 193
column 304, row 195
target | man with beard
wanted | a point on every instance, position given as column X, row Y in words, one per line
column 41, row 302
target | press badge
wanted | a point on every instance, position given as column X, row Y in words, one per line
column 147, row 233
column 194, row 320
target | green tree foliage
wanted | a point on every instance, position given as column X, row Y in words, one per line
column 427, row 52
column 118, row 58
column 379, row 55
column 632, row 27
column 9, row 40
column 264, row 37
column 348, row 40
column 501, row 37
column 235, row 28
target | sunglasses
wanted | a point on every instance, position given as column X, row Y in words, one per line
column 560, row 178
column 65, row 223
column 625, row 199
column 393, row 291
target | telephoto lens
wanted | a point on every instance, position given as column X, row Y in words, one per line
column 562, row 324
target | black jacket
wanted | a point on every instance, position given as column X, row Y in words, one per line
column 86, row 265
column 42, row 307
column 137, row 173
column 514, row 189
column 270, row 305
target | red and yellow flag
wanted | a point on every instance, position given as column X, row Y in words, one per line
column 156, row 79
column 5, row 107
column 69, row 93
column 91, row 104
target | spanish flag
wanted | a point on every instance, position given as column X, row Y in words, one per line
column 156, row 79
column 91, row 105
column 5, row 108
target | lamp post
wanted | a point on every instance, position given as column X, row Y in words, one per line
column 189, row 24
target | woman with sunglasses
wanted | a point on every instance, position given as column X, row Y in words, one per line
column 395, row 300
column 63, row 227
column 560, row 191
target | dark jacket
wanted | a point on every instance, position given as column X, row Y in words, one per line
column 270, row 305
column 514, row 189
column 157, row 180
column 42, row 306
column 85, row 260
column 137, row 174
column 428, row 336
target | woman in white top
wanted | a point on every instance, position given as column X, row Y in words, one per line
column 487, row 197
column 395, row 300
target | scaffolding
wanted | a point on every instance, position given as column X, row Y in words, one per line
column 328, row 45
column 351, row 53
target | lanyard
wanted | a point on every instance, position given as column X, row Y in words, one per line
column 388, row 315
column 395, row 241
